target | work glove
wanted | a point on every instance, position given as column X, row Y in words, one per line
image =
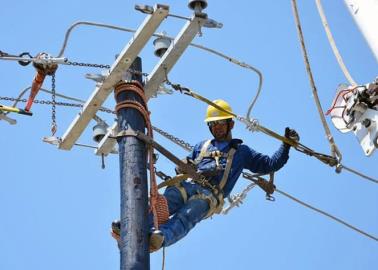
column 291, row 134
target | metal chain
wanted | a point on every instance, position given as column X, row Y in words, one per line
column 80, row 64
column 57, row 103
column 54, row 126
column 70, row 63
column 174, row 139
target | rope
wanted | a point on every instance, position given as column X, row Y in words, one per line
column 333, row 44
column 327, row 215
column 198, row 46
column 334, row 150
column 158, row 203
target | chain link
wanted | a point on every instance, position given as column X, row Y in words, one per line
column 80, row 64
column 174, row 139
column 70, row 63
column 54, row 126
column 57, row 103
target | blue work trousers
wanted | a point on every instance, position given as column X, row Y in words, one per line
column 184, row 215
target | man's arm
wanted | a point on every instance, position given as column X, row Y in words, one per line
column 260, row 163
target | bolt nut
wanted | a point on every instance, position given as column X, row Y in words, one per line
column 366, row 122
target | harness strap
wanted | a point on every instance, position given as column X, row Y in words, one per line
column 182, row 190
column 216, row 155
column 203, row 151
column 174, row 180
column 228, row 168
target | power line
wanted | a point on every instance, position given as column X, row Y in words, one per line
column 333, row 44
column 334, row 150
column 360, row 174
column 327, row 215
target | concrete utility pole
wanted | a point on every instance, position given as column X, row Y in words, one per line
column 134, row 247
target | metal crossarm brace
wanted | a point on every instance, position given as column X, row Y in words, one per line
column 122, row 63
column 157, row 76
column 173, row 53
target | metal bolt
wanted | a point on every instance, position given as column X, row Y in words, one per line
column 366, row 122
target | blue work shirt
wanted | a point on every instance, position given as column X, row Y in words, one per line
column 244, row 158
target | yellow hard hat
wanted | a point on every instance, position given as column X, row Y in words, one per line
column 213, row 114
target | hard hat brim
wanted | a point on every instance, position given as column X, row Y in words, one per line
column 217, row 118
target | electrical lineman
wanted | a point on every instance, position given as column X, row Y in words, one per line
column 221, row 160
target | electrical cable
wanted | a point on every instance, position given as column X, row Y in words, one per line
column 201, row 47
column 333, row 44
column 334, row 149
column 327, row 215
column 255, row 126
column 359, row 174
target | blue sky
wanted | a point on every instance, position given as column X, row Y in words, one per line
column 56, row 206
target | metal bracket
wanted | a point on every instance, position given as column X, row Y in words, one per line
column 173, row 53
column 157, row 76
column 127, row 133
column 366, row 131
column 122, row 63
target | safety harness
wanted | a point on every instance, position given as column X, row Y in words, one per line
column 215, row 198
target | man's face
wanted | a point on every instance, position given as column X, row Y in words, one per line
column 220, row 129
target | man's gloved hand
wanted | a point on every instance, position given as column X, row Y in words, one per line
column 291, row 134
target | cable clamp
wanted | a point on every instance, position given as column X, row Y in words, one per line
column 251, row 124
column 125, row 133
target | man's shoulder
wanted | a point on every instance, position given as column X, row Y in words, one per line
column 199, row 145
column 236, row 143
column 243, row 148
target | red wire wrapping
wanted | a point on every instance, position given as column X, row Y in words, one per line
column 343, row 93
